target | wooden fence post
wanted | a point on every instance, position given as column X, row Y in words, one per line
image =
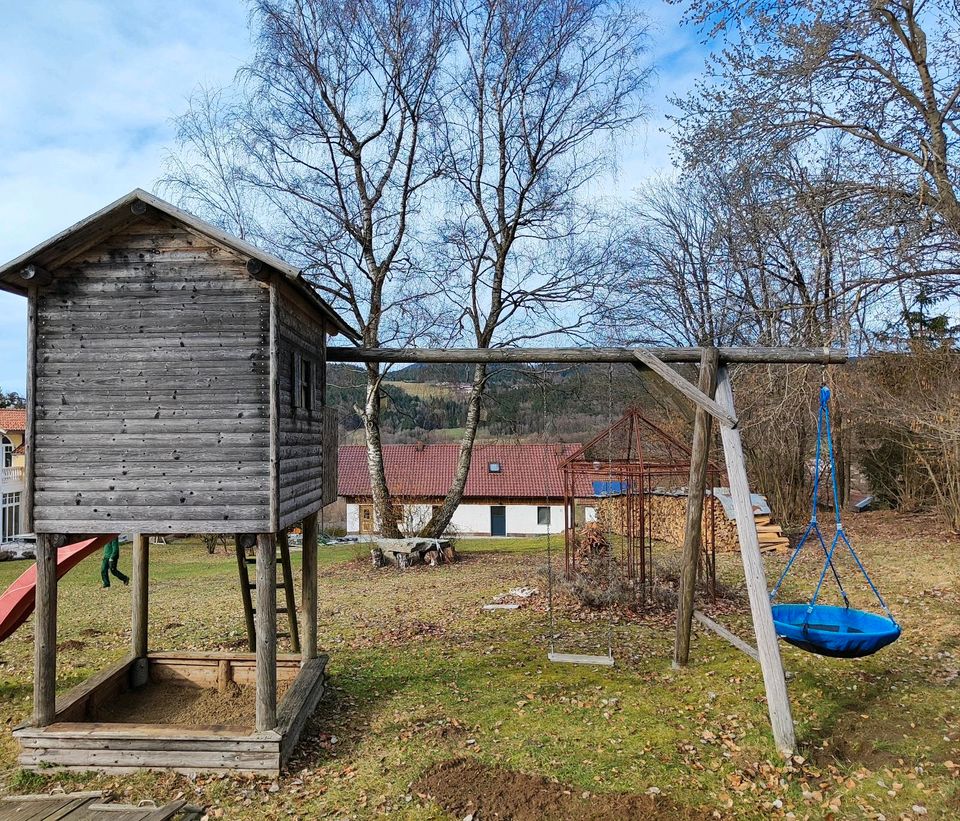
column 266, row 631
column 45, row 633
column 141, row 583
column 309, row 580
column 699, row 462
column 774, row 681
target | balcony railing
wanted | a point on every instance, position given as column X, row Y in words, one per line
column 11, row 476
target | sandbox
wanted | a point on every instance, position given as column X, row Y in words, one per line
column 160, row 712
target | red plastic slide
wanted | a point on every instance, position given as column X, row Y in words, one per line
column 16, row 604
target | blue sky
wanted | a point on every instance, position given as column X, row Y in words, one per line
column 88, row 89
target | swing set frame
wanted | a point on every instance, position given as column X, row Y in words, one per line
column 713, row 399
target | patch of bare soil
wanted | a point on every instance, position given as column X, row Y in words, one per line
column 70, row 644
column 466, row 787
column 872, row 744
column 168, row 703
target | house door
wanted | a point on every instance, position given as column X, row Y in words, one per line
column 498, row 520
column 366, row 518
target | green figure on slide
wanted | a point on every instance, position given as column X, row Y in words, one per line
column 111, row 555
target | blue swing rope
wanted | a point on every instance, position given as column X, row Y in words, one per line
column 823, row 425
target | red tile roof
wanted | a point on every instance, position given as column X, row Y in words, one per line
column 13, row 419
column 426, row 471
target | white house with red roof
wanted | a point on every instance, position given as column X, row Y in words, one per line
column 13, row 424
column 511, row 490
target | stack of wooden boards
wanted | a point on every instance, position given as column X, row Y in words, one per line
column 770, row 533
column 666, row 515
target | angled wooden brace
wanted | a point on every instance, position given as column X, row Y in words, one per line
column 692, row 393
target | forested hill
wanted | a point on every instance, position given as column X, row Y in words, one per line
column 428, row 402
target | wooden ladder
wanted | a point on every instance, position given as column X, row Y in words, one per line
column 284, row 582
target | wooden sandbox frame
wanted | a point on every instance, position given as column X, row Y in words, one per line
column 74, row 741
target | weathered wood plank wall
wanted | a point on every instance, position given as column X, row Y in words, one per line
column 152, row 409
column 300, row 339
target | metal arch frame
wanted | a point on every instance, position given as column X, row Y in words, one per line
column 639, row 474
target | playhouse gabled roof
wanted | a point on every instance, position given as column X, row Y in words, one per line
column 61, row 247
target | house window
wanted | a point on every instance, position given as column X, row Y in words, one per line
column 7, row 452
column 543, row 515
column 9, row 516
column 494, row 467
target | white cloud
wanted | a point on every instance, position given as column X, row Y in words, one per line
column 87, row 92
column 677, row 55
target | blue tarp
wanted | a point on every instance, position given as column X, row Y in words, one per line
column 610, row 488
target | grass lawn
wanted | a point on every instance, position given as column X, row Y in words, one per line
column 421, row 675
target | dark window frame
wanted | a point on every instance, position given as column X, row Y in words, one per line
column 304, row 379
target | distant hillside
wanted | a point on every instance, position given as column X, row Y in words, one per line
column 428, row 402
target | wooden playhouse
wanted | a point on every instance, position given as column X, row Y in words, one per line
column 176, row 380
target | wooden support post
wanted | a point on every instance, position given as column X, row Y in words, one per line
column 309, row 596
column 224, row 675
column 45, row 633
column 774, row 680
column 692, row 536
column 266, row 631
column 141, row 584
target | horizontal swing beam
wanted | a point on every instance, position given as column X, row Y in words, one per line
column 453, row 356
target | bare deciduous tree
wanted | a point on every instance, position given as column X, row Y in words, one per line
column 883, row 75
column 533, row 88
column 324, row 151
column 675, row 285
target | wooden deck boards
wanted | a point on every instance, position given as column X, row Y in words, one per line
column 88, row 806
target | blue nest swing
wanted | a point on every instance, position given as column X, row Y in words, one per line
column 839, row 632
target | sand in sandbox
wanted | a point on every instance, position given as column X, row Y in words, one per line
column 169, row 703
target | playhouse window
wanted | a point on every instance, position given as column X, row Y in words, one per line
column 303, row 371
column 306, row 383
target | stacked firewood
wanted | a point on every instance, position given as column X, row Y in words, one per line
column 667, row 518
